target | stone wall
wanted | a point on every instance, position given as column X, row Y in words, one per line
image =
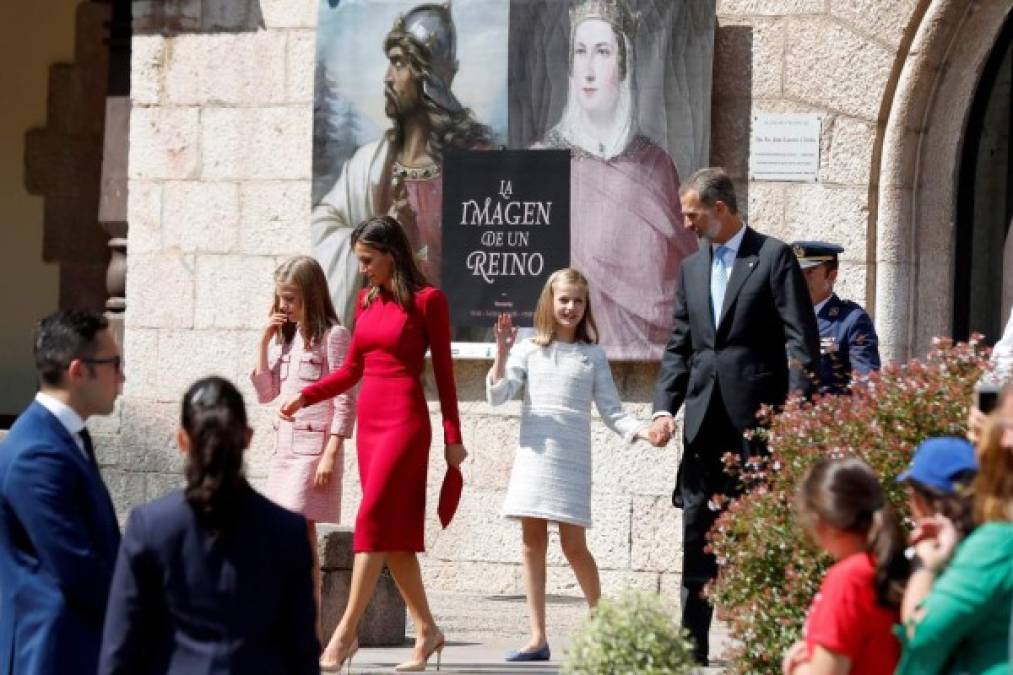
column 832, row 57
column 220, row 192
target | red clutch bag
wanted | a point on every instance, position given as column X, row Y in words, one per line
column 450, row 495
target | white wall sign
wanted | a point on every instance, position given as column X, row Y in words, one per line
column 785, row 147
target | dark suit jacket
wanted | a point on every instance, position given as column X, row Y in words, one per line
column 183, row 602
column 58, row 539
column 853, row 344
column 766, row 310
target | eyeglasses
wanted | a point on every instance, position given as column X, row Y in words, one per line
column 115, row 361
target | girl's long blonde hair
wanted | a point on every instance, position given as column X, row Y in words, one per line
column 308, row 277
column 545, row 320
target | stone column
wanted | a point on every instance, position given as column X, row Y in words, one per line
column 113, row 206
column 112, row 214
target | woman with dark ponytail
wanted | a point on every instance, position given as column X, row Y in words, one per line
column 213, row 578
column 849, row 626
column 213, row 436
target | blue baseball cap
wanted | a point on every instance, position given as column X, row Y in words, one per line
column 936, row 461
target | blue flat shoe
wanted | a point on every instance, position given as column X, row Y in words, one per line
column 540, row 654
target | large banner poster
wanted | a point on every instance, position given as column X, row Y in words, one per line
column 506, row 227
column 622, row 87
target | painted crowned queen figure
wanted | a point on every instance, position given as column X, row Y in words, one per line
column 626, row 225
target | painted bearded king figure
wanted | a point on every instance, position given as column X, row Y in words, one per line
column 400, row 174
column 626, row 228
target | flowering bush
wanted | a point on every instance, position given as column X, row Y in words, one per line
column 768, row 570
column 633, row 634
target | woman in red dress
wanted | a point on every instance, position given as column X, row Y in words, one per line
column 398, row 317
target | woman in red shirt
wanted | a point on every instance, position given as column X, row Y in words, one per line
column 397, row 318
column 850, row 624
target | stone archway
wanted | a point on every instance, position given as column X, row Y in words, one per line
column 916, row 178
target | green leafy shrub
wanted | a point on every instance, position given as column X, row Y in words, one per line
column 636, row 633
column 768, row 570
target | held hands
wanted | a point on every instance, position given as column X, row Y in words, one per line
column 290, row 407
column 661, row 431
column 506, row 334
column 455, row 454
column 325, row 467
column 644, row 434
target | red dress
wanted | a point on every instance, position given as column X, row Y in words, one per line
column 388, row 353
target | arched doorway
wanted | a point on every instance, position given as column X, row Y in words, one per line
column 983, row 260
column 916, row 175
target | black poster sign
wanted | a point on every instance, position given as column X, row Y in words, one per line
column 506, row 228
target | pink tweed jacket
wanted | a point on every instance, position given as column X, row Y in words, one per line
column 299, row 444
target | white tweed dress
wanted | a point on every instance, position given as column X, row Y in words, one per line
column 551, row 477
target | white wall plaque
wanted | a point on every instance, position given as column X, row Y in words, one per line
column 785, row 147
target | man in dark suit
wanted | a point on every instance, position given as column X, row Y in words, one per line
column 741, row 303
column 58, row 529
column 848, row 341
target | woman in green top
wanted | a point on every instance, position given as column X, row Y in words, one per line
column 960, row 622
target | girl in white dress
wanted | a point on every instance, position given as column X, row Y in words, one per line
column 561, row 370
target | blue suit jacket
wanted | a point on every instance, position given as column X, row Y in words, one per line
column 848, row 343
column 183, row 602
column 58, row 540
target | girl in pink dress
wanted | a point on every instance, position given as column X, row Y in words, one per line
column 306, row 468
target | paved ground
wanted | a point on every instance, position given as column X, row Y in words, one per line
column 480, row 629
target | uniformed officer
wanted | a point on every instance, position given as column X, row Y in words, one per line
column 848, row 341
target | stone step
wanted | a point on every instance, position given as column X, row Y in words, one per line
column 384, row 623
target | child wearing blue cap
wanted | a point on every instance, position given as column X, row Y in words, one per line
column 957, row 607
column 938, row 481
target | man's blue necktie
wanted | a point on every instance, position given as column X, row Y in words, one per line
column 719, row 281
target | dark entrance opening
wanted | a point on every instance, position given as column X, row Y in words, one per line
column 983, row 274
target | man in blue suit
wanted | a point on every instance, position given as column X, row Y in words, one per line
column 848, row 341
column 58, row 529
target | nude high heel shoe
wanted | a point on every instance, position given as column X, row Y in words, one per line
column 344, row 660
column 418, row 666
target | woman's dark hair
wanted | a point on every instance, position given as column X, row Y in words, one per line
column 214, row 417
column 387, row 236
column 846, row 494
column 958, row 506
